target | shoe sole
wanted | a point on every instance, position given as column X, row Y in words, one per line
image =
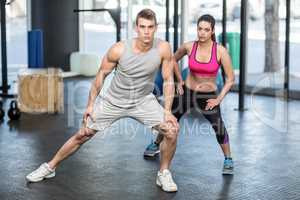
column 158, row 183
column 151, row 154
column 227, row 172
column 40, row 179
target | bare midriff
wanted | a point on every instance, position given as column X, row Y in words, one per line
column 201, row 83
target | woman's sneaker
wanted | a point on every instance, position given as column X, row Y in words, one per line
column 151, row 150
column 44, row 171
column 165, row 181
column 228, row 166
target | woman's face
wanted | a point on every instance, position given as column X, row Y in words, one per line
column 205, row 31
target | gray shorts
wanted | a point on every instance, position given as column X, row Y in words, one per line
column 148, row 111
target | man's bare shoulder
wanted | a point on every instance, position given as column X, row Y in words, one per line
column 116, row 50
column 118, row 47
column 164, row 47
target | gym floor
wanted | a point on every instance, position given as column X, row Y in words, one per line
column 265, row 144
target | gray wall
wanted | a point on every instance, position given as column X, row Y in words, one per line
column 60, row 27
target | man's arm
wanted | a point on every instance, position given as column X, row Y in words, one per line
column 168, row 75
column 108, row 63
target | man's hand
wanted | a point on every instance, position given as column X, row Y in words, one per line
column 171, row 121
column 88, row 113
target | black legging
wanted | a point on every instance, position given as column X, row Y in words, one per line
column 193, row 99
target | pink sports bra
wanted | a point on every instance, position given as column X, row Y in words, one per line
column 209, row 69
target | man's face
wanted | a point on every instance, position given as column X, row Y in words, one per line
column 204, row 31
column 145, row 29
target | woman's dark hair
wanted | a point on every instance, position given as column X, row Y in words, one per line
column 210, row 19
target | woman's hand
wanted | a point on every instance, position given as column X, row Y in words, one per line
column 179, row 87
column 211, row 103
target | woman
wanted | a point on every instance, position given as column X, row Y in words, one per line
column 198, row 91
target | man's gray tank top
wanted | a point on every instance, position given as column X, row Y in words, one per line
column 134, row 76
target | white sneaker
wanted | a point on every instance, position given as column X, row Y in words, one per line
column 165, row 181
column 44, row 171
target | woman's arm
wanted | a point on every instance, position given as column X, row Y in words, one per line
column 181, row 51
column 227, row 66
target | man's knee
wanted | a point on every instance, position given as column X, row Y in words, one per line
column 84, row 134
column 171, row 133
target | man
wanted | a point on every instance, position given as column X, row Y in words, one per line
column 136, row 62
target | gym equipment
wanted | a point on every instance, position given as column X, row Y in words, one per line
column 14, row 112
column 114, row 13
column 5, row 87
column 2, row 113
column 41, row 90
column 35, row 49
column 86, row 64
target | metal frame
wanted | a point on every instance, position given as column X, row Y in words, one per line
column 81, row 27
column 287, row 51
column 184, row 19
column 5, row 87
column 114, row 13
column 175, row 25
column 243, row 54
column 129, row 20
column 224, row 31
column 167, row 35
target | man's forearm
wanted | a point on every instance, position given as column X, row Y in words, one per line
column 177, row 71
column 92, row 95
column 95, row 90
column 168, row 91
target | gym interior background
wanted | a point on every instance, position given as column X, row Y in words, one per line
column 65, row 40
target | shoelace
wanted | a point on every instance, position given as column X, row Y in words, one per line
column 43, row 170
column 169, row 178
column 228, row 163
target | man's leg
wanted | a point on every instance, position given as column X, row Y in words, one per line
column 103, row 116
column 151, row 113
column 168, row 144
column 179, row 107
column 159, row 138
column 164, row 177
column 73, row 144
column 47, row 170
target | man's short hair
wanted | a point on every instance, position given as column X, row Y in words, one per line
column 146, row 14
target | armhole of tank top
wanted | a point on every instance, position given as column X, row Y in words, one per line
column 128, row 46
column 193, row 49
column 216, row 54
column 127, row 49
